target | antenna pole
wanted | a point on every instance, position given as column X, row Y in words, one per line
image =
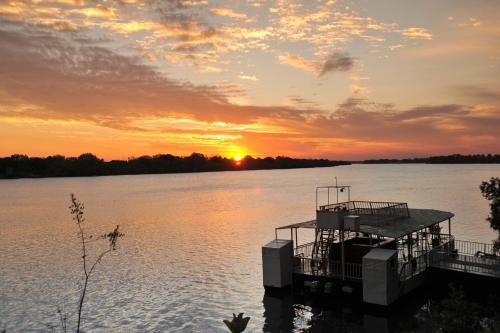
column 337, row 189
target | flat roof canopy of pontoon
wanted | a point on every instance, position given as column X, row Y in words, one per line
column 391, row 226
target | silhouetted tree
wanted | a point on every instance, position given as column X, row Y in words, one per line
column 449, row 159
column 88, row 165
column 21, row 166
column 491, row 191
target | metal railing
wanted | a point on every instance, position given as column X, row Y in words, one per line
column 468, row 264
column 370, row 208
column 304, row 250
column 418, row 264
column 352, row 271
column 413, row 267
column 468, row 257
column 473, row 248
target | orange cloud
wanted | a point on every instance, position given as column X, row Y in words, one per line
column 97, row 11
column 416, row 33
column 228, row 13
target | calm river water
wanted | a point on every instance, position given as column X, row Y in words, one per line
column 192, row 251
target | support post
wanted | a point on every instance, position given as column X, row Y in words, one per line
column 317, row 198
column 410, row 244
column 343, row 254
column 449, row 227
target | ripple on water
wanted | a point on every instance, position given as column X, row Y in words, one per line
column 191, row 255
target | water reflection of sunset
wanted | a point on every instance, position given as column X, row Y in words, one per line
column 193, row 241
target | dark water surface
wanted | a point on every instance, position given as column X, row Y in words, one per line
column 192, row 251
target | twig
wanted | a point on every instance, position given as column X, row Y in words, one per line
column 77, row 210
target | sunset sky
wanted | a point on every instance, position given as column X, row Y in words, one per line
column 335, row 79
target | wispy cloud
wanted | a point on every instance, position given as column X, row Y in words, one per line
column 98, row 11
column 416, row 33
column 248, row 77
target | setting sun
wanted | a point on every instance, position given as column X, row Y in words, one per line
column 237, row 158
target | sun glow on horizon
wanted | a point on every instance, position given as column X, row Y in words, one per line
column 237, row 160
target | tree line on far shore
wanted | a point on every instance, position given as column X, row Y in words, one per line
column 448, row 159
column 22, row 166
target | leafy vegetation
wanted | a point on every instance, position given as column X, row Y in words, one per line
column 458, row 314
column 238, row 324
column 449, row 159
column 491, row 191
column 22, row 166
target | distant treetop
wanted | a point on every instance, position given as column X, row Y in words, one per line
column 449, row 159
column 22, row 166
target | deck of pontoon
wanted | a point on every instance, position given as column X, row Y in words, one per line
column 409, row 240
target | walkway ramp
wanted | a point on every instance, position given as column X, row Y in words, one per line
column 469, row 257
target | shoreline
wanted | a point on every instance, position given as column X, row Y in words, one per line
column 241, row 170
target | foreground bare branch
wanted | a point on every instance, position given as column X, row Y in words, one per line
column 77, row 210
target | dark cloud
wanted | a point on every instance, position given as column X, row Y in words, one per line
column 427, row 126
column 192, row 47
column 450, row 110
column 174, row 13
column 478, row 93
column 302, row 102
column 337, row 62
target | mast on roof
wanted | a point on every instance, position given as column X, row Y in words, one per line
column 336, row 189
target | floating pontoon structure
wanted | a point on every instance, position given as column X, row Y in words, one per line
column 383, row 248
